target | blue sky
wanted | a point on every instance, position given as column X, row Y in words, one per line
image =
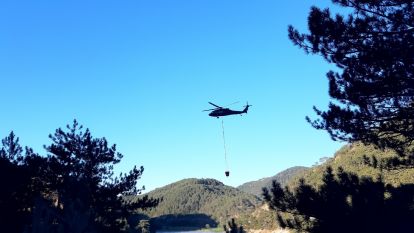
column 140, row 73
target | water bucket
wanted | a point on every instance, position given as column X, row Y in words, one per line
column 227, row 173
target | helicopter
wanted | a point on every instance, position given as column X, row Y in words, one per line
column 221, row 111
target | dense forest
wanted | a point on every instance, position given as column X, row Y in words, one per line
column 357, row 158
column 347, row 191
column 184, row 201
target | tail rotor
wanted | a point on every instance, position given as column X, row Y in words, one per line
column 246, row 107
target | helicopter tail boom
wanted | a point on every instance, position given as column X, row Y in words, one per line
column 246, row 108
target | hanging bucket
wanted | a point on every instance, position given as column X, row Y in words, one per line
column 227, row 173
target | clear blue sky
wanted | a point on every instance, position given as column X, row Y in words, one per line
column 140, row 73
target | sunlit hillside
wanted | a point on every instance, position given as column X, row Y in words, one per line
column 351, row 158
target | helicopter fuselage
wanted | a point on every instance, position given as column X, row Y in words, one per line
column 225, row 112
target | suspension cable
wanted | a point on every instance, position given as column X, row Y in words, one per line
column 224, row 143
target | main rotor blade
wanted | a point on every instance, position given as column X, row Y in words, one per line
column 232, row 103
column 209, row 109
column 214, row 105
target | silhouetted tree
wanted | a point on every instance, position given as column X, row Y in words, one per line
column 343, row 203
column 373, row 47
column 13, row 181
column 83, row 182
column 143, row 226
column 19, row 183
column 11, row 149
column 373, row 92
column 233, row 227
column 73, row 189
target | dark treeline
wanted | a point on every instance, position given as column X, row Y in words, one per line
column 344, row 203
column 183, row 222
column 70, row 189
column 372, row 102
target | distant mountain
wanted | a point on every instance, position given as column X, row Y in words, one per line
column 283, row 177
column 351, row 158
column 198, row 202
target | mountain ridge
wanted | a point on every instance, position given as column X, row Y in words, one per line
column 283, row 177
column 190, row 198
column 351, row 158
column 208, row 202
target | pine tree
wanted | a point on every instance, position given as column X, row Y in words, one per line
column 19, row 186
column 11, row 149
column 81, row 168
column 343, row 203
column 373, row 102
column 373, row 47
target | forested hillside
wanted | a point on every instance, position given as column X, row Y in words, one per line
column 283, row 177
column 198, row 203
column 359, row 159
column 205, row 201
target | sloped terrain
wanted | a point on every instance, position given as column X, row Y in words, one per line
column 351, row 158
column 283, row 177
column 208, row 198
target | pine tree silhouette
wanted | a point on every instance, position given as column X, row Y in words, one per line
column 72, row 189
column 373, row 47
column 373, row 102
column 343, row 203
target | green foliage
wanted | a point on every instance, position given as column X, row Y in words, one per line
column 182, row 222
column 82, row 172
column 72, row 189
column 353, row 163
column 373, row 47
column 143, row 226
column 373, row 95
column 261, row 219
column 202, row 196
column 343, row 203
column 357, row 158
column 283, row 177
column 232, row 227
